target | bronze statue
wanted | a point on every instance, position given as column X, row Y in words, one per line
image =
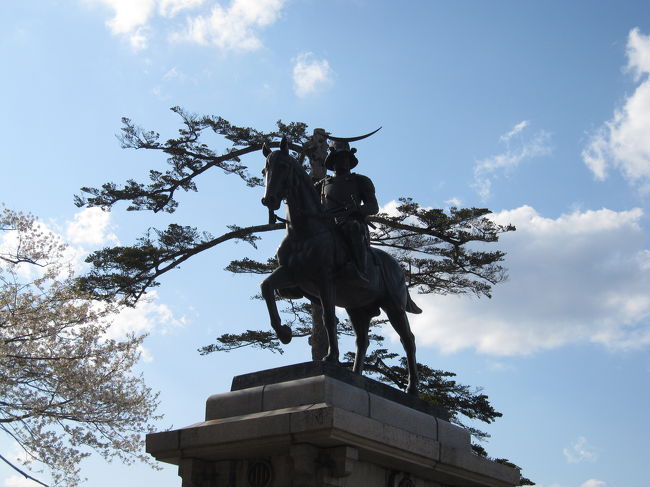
column 349, row 198
column 313, row 256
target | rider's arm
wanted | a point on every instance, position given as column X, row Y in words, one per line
column 318, row 185
column 367, row 194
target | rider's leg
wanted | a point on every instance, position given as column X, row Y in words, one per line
column 355, row 235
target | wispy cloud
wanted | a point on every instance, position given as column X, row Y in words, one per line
column 517, row 149
column 594, row 483
column 622, row 142
column 233, row 28
column 18, row 481
column 581, row 277
column 454, row 202
column 174, row 73
column 515, row 130
column 170, row 8
column 310, row 74
column 580, row 451
column 148, row 315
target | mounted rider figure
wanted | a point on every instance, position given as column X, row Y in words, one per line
column 349, row 198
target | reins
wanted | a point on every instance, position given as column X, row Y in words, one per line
column 273, row 218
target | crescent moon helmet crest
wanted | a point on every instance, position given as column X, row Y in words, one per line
column 352, row 139
column 341, row 145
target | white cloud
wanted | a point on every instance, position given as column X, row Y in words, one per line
column 232, row 28
column 638, row 53
column 595, row 155
column 18, row 456
column 90, row 226
column 139, row 39
column 170, row 8
column 486, row 170
column 390, row 208
column 19, row 481
column 582, row 277
column 148, row 315
column 623, row 142
column 455, row 202
column 310, row 74
column 130, row 18
column 580, row 451
column 594, row 483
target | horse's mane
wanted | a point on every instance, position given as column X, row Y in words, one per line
column 303, row 176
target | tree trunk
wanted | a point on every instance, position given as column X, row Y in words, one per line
column 317, row 152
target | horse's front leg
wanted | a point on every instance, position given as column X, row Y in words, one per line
column 279, row 278
column 329, row 321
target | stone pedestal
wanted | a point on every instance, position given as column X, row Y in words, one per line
column 317, row 424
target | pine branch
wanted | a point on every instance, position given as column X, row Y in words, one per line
column 130, row 271
column 189, row 159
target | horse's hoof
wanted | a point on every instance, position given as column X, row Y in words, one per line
column 331, row 358
column 412, row 390
column 284, row 334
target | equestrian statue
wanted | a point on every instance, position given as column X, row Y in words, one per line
column 326, row 256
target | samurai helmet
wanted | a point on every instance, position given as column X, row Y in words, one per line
column 340, row 146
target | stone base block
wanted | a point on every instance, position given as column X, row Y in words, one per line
column 315, row 424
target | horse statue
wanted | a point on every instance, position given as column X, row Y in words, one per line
column 312, row 256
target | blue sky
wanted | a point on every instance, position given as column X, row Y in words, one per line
column 538, row 110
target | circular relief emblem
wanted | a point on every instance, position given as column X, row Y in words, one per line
column 406, row 482
column 260, row 474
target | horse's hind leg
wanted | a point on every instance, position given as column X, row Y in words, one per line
column 326, row 294
column 360, row 320
column 278, row 279
column 400, row 323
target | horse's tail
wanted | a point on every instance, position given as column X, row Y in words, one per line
column 411, row 307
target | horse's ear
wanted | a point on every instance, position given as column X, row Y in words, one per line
column 265, row 149
column 284, row 145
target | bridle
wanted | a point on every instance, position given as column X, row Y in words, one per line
column 290, row 182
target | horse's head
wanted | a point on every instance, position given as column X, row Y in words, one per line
column 277, row 172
